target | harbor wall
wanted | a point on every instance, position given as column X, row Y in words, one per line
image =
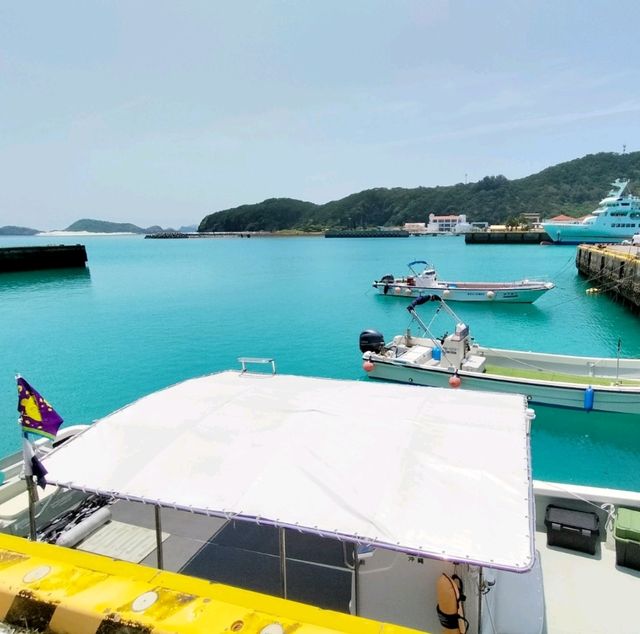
column 40, row 258
column 506, row 237
column 612, row 269
column 57, row 590
column 364, row 233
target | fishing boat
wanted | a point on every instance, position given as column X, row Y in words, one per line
column 338, row 494
column 590, row 383
column 616, row 218
column 426, row 282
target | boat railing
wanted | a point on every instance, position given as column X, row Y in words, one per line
column 244, row 361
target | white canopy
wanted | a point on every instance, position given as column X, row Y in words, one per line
column 436, row 472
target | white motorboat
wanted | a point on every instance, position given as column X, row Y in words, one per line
column 604, row 384
column 410, row 507
column 426, row 282
column 617, row 218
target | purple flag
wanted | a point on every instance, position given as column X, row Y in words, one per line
column 36, row 415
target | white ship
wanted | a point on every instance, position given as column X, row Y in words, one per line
column 617, row 218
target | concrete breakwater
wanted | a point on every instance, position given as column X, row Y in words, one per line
column 506, row 237
column 367, row 233
column 173, row 235
column 613, row 269
column 40, row 258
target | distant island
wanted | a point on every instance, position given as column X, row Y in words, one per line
column 573, row 188
column 103, row 226
column 10, row 230
column 92, row 226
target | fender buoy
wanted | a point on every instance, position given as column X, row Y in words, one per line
column 490, row 294
column 367, row 366
column 455, row 381
column 450, row 608
column 589, row 395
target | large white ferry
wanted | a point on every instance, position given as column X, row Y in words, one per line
column 617, row 218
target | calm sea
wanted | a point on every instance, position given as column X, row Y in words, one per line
column 149, row 313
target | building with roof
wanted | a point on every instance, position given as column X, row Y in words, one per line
column 448, row 224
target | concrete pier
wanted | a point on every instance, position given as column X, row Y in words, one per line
column 506, row 237
column 612, row 269
column 60, row 256
column 367, row 233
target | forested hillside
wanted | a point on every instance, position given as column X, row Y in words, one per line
column 572, row 188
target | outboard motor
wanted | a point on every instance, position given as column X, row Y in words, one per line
column 371, row 341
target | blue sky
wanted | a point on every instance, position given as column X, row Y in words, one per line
column 157, row 112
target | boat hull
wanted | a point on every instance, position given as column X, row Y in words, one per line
column 513, row 295
column 580, row 234
column 619, row 400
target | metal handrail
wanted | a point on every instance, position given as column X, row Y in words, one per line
column 256, row 360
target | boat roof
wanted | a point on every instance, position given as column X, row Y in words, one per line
column 395, row 466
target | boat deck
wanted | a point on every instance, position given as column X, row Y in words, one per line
column 606, row 592
column 541, row 375
column 238, row 553
column 246, row 556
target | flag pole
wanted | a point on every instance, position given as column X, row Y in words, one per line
column 27, row 452
column 36, row 417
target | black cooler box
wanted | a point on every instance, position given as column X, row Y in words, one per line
column 576, row 530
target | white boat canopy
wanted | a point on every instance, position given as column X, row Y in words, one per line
column 432, row 472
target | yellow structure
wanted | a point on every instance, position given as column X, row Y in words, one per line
column 62, row 591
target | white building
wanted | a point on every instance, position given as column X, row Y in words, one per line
column 448, row 224
column 415, row 227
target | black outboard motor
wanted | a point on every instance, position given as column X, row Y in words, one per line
column 371, row 341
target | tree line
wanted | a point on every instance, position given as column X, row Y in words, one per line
column 573, row 188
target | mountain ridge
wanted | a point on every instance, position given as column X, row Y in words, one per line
column 573, row 188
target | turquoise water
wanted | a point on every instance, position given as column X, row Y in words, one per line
column 149, row 313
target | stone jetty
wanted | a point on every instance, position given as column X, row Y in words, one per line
column 612, row 269
column 506, row 237
column 63, row 256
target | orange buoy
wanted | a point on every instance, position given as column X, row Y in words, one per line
column 367, row 366
column 455, row 381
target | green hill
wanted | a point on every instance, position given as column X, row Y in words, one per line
column 103, row 226
column 10, row 230
column 572, row 188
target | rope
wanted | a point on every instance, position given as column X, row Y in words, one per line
column 607, row 507
column 538, row 368
column 487, row 607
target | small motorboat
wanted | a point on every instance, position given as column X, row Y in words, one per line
column 590, row 383
column 426, row 282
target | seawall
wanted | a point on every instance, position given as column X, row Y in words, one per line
column 39, row 258
column 612, row 269
column 364, row 233
column 506, row 237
